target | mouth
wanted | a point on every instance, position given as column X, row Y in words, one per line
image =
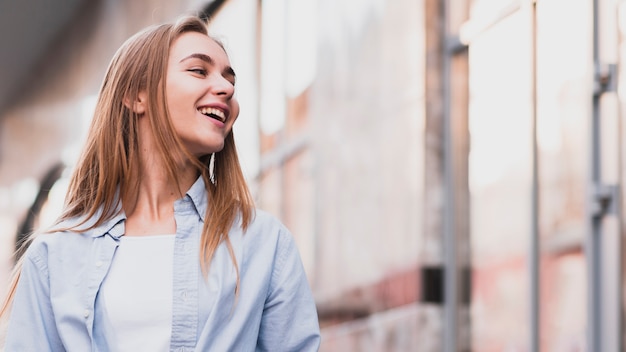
column 214, row 113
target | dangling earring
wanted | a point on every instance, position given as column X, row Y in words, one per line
column 212, row 168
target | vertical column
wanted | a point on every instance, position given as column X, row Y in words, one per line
column 534, row 255
column 431, row 256
column 604, row 243
column 456, row 153
column 446, row 259
column 434, row 127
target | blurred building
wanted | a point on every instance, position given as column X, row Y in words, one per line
column 451, row 170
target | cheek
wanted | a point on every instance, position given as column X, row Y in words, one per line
column 176, row 107
column 234, row 109
column 175, row 92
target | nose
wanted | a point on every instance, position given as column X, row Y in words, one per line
column 219, row 85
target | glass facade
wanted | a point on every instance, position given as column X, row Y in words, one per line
column 563, row 141
column 500, row 166
column 515, row 111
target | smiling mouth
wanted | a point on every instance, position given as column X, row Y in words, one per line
column 213, row 113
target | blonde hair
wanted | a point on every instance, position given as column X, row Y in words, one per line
column 109, row 161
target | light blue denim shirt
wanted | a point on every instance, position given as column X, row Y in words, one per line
column 57, row 307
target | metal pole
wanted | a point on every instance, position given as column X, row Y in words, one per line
column 535, row 259
column 456, row 151
column 455, row 171
column 594, row 240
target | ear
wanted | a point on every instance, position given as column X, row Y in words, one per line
column 139, row 105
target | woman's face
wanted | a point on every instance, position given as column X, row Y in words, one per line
column 199, row 93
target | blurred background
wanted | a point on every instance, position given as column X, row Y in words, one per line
column 451, row 169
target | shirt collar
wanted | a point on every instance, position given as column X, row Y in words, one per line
column 199, row 197
column 115, row 225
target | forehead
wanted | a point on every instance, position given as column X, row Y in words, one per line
column 197, row 43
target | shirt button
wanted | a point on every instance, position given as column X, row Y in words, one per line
column 99, row 263
column 86, row 313
column 183, row 295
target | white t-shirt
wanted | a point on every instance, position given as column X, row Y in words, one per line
column 137, row 294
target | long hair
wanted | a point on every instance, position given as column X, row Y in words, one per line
column 107, row 174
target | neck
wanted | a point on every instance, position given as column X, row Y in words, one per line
column 152, row 211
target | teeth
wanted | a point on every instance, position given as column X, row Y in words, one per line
column 212, row 111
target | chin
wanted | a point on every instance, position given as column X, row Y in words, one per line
column 201, row 152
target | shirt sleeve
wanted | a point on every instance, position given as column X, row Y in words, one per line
column 31, row 323
column 289, row 321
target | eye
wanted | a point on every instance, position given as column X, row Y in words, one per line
column 199, row 71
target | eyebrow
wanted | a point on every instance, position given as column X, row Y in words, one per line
column 206, row 58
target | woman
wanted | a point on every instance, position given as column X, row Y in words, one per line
column 159, row 247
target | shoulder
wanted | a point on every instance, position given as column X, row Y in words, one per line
column 44, row 244
column 264, row 221
column 266, row 234
column 267, row 228
column 74, row 234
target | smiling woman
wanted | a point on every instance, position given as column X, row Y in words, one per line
column 200, row 85
column 159, row 246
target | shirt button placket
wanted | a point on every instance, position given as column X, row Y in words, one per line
column 185, row 309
